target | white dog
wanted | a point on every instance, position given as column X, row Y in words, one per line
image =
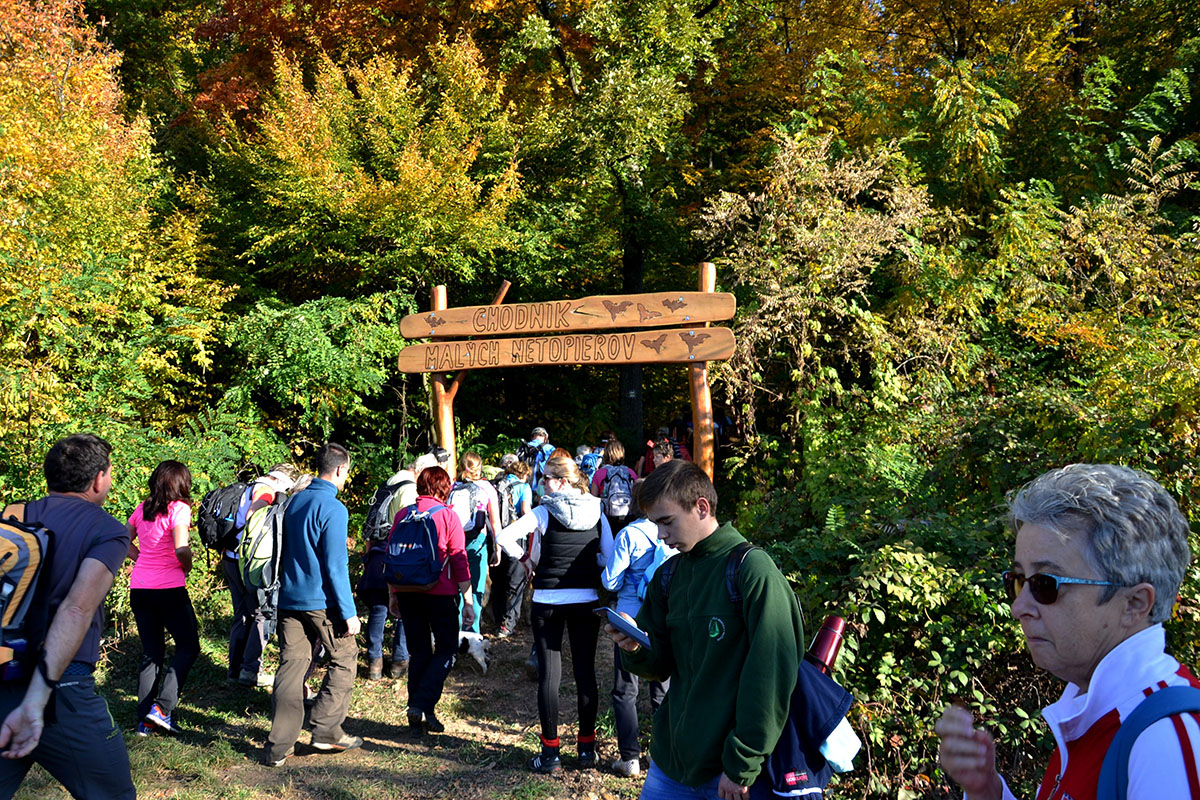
column 476, row 646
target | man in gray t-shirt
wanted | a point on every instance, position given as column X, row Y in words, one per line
column 79, row 744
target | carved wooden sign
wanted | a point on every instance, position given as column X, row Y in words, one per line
column 652, row 310
column 687, row 345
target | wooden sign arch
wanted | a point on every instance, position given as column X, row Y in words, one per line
column 644, row 336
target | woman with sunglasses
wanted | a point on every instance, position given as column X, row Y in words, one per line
column 1100, row 554
column 569, row 542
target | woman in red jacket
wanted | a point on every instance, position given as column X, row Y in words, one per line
column 434, row 612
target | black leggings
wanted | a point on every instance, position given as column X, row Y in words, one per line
column 158, row 612
column 582, row 626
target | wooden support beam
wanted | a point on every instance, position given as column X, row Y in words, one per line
column 443, row 398
column 704, row 448
column 445, row 391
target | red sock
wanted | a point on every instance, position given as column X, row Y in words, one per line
column 589, row 739
column 549, row 742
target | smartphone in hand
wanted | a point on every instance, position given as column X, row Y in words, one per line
column 622, row 624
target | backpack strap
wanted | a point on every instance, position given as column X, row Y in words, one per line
column 1114, row 773
column 733, row 572
column 16, row 511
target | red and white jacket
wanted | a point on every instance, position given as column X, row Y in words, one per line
column 1164, row 762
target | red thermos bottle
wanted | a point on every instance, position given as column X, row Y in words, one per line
column 828, row 643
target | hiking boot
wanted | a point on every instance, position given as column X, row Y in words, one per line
column 347, row 742
column 375, row 671
column 254, row 679
column 159, row 718
column 628, row 768
column 416, row 721
column 398, row 668
column 546, row 762
column 268, row 761
column 433, row 724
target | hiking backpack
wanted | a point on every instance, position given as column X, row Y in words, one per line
column 505, row 490
column 535, row 455
column 378, row 523
column 24, row 617
column 217, row 519
column 796, row 766
column 413, row 562
column 618, row 491
column 262, row 544
column 589, row 464
column 465, row 498
column 1114, row 771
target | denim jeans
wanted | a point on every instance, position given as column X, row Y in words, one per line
column 659, row 787
column 376, row 623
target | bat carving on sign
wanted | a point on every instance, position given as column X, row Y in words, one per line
column 674, row 305
column 655, row 344
column 692, row 339
column 616, row 308
column 645, row 313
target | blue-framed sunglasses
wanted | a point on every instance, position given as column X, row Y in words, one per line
column 1043, row 586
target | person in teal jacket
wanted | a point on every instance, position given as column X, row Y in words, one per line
column 731, row 674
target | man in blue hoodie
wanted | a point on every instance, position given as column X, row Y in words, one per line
column 316, row 605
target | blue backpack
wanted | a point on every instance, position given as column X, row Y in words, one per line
column 589, row 464
column 413, row 562
column 1114, row 772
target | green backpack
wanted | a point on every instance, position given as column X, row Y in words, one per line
column 262, row 542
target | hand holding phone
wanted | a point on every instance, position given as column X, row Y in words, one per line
column 623, row 626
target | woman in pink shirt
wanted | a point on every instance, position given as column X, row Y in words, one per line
column 434, row 612
column 158, row 533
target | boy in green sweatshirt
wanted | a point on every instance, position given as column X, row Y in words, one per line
column 732, row 674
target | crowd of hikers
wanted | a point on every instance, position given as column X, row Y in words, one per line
column 741, row 711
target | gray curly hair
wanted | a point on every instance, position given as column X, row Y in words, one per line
column 1133, row 531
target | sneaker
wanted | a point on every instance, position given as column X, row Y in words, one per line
column 587, row 756
column 416, row 721
column 433, row 724
column 247, row 678
column 546, row 762
column 629, row 767
column 347, row 742
column 503, row 633
column 159, row 718
column 531, row 667
column 144, row 729
column 375, row 670
column 397, row 668
column 277, row 763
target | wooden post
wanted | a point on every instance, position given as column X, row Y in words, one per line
column 443, row 398
column 444, row 391
column 704, row 448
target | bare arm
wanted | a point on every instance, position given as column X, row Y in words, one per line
column 133, row 548
column 22, row 728
column 183, row 547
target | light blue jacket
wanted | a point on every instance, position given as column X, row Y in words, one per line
column 633, row 552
